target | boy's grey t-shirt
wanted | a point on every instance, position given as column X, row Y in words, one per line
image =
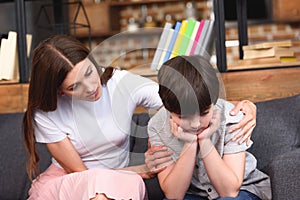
column 255, row 181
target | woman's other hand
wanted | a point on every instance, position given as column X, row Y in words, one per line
column 157, row 158
column 247, row 124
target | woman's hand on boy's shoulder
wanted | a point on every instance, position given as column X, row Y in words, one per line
column 248, row 122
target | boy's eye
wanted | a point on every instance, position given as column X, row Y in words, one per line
column 182, row 116
column 204, row 113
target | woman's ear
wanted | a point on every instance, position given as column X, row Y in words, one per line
column 60, row 92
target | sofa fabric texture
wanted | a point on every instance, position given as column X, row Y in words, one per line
column 276, row 147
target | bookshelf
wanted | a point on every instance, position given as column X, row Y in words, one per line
column 222, row 64
column 220, row 30
column 19, row 9
column 264, row 66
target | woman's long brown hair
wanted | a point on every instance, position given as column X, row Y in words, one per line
column 52, row 59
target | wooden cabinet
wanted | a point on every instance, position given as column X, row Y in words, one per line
column 13, row 98
column 103, row 18
column 254, row 85
column 286, row 11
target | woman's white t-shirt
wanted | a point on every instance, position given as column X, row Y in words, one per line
column 99, row 130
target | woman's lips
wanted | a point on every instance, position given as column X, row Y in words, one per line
column 94, row 94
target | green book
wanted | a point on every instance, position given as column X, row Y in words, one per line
column 186, row 37
column 179, row 38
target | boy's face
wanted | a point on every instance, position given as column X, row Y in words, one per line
column 194, row 123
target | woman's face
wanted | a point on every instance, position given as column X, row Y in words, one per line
column 83, row 82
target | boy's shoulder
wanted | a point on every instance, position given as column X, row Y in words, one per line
column 161, row 115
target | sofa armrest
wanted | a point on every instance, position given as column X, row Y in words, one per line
column 284, row 174
column 138, row 138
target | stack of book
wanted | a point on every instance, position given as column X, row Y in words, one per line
column 188, row 37
column 268, row 52
column 9, row 63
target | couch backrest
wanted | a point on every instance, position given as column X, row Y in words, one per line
column 14, row 182
column 277, row 130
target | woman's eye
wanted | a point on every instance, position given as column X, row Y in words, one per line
column 75, row 86
column 89, row 71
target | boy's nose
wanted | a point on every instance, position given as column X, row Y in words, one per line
column 195, row 122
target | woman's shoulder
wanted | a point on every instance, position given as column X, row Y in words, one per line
column 129, row 78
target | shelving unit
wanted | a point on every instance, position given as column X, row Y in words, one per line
column 241, row 6
column 128, row 3
column 220, row 30
column 240, row 83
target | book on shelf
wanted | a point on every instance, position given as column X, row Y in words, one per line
column 186, row 37
column 203, row 34
column 9, row 65
column 269, row 52
column 265, row 45
column 195, row 42
column 189, row 37
column 172, row 42
column 9, row 62
column 160, row 46
column 179, row 38
column 288, row 59
column 166, row 46
column 206, row 44
column 267, row 60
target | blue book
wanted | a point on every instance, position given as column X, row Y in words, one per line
column 172, row 42
column 163, row 54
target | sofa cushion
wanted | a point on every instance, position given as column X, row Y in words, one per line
column 284, row 173
column 14, row 182
column 138, row 138
column 277, row 129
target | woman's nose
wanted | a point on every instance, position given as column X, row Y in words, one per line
column 89, row 88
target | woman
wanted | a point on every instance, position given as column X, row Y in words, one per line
column 83, row 113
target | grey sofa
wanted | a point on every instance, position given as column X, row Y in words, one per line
column 276, row 147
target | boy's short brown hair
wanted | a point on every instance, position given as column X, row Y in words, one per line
column 188, row 85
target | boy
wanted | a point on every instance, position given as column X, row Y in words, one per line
column 193, row 124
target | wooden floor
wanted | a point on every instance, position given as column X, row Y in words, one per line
column 254, row 85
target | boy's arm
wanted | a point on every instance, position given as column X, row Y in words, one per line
column 247, row 124
column 225, row 174
column 176, row 178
